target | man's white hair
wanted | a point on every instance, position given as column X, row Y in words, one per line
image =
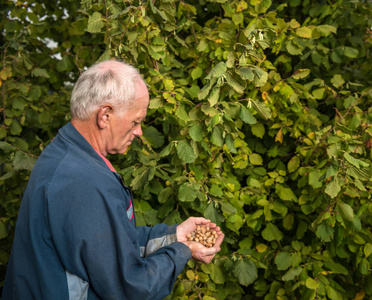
column 109, row 82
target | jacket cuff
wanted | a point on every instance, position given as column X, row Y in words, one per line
column 183, row 250
column 172, row 234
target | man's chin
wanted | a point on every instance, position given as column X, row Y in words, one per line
column 124, row 150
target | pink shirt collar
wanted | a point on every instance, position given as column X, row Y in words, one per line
column 106, row 161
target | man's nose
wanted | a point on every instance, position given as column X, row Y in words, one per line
column 137, row 130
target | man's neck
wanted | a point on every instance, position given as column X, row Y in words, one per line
column 91, row 133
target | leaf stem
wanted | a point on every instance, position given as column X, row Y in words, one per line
column 3, row 91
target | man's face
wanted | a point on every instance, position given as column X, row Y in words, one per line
column 125, row 128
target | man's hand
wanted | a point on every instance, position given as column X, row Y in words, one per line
column 199, row 251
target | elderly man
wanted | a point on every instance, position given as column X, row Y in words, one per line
column 76, row 236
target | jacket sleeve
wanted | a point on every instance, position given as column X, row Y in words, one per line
column 98, row 243
column 153, row 238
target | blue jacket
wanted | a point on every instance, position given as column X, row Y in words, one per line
column 76, row 237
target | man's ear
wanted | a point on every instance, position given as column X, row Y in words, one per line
column 104, row 115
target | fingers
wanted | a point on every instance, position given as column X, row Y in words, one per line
column 219, row 240
column 201, row 221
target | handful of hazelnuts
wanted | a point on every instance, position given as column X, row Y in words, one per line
column 203, row 235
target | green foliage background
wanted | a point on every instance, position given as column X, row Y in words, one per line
column 260, row 120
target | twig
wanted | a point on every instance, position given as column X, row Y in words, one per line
column 28, row 154
column 192, row 27
column 108, row 31
column 125, row 32
column 327, row 133
column 3, row 90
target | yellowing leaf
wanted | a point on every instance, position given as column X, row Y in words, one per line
column 242, row 5
column 312, row 284
column 294, row 24
column 293, row 164
column 367, row 249
column 261, row 248
column 255, row 159
column 190, row 275
column 304, row 32
column 301, row 73
column 360, row 295
column 5, row 73
column 279, row 136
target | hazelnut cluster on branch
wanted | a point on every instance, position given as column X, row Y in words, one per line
column 203, row 235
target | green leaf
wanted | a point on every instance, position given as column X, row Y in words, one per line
column 44, row 117
column 216, row 137
column 141, row 179
column 293, row 164
column 325, row 232
column 186, row 193
column 64, row 64
column 245, row 271
column 167, row 150
column 151, row 218
column 216, row 190
column 185, row 152
column 354, row 161
column 336, row 268
column 40, row 73
column 358, row 173
column 212, row 214
column 246, row 74
column 261, row 77
column 182, row 114
column 214, row 97
column 326, row 30
column 228, row 208
column 255, row 159
column 312, row 284
column 18, row 103
column 234, row 84
column 301, row 73
column 196, row 133
column 337, row 80
column 304, row 32
column 351, row 52
column 333, row 188
column 283, row 261
column 271, row 233
column 205, row 90
column 258, row 130
column 345, row 210
column 22, row 161
column 15, row 128
column 3, row 230
column 217, row 71
column 247, row 116
column 293, row 48
column 196, row 73
column 95, row 23
column 153, row 136
column 217, row 275
column 261, row 108
column 230, row 144
column 285, row 193
column 314, row 179
column 165, row 194
column 333, row 294
column 291, row 274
